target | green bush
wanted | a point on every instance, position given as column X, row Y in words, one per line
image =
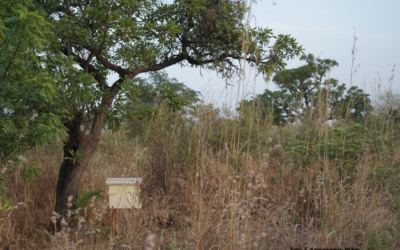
column 84, row 201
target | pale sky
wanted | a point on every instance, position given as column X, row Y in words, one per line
column 325, row 28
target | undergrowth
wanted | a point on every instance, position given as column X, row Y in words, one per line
column 212, row 181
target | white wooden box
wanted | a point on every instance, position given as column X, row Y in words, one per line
column 123, row 193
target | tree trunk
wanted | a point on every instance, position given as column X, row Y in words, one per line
column 77, row 152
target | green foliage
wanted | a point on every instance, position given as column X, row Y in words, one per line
column 301, row 152
column 381, row 238
column 56, row 59
column 85, row 199
column 56, row 56
column 158, row 89
column 5, row 204
column 149, row 95
column 30, row 171
column 346, row 145
column 387, row 107
column 28, row 114
column 305, row 79
column 391, row 180
column 353, row 105
column 5, row 207
column 306, row 91
column 160, row 81
column 75, row 156
column 343, row 145
column 278, row 103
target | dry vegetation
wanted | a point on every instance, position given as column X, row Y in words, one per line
column 212, row 181
column 218, row 181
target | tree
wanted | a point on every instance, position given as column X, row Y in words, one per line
column 280, row 103
column 91, row 39
column 28, row 113
column 304, row 89
column 151, row 94
column 303, row 82
column 354, row 105
column 159, row 88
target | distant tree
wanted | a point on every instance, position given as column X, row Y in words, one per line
column 303, row 89
column 354, row 104
column 86, row 41
column 304, row 81
column 158, row 87
column 387, row 106
column 278, row 103
column 151, row 94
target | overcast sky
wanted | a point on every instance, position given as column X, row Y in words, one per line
column 325, row 28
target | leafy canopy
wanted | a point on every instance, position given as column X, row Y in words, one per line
column 57, row 58
column 152, row 94
column 306, row 89
column 29, row 113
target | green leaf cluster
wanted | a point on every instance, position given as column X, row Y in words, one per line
column 148, row 95
column 306, row 91
column 28, row 112
column 57, row 57
column 345, row 143
column 30, row 171
column 84, row 200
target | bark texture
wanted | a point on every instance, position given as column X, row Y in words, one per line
column 78, row 150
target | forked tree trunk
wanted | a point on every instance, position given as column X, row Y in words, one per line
column 77, row 152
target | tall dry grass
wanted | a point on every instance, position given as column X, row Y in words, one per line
column 216, row 180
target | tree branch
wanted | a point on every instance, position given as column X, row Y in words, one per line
column 11, row 60
column 121, row 71
column 105, row 31
column 89, row 68
column 104, row 108
column 90, row 57
column 154, row 67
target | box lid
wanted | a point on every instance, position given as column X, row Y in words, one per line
column 126, row 181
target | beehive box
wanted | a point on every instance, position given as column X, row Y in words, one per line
column 123, row 193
